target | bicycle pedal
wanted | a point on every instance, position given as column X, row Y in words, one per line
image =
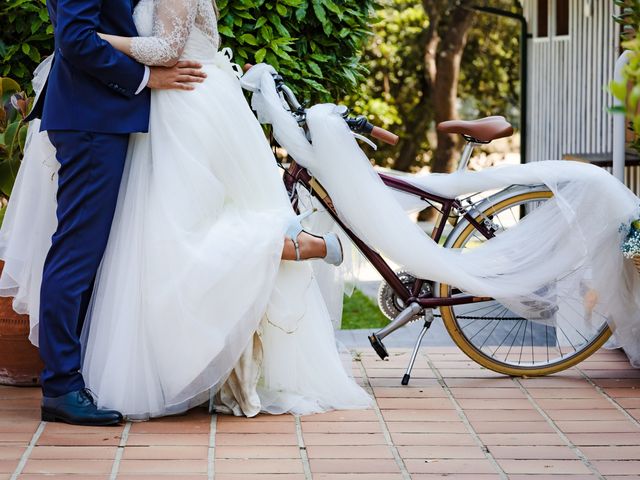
column 378, row 346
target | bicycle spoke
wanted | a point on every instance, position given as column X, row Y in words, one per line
column 505, row 338
column 490, row 333
column 515, row 220
column 467, row 314
column 524, row 335
column 571, row 324
column 533, row 360
column 565, row 336
column 495, row 324
column 520, row 342
column 515, row 337
column 546, row 339
column 482, row 318
column 475, row 334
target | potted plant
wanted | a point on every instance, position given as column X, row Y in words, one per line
column 20, row 363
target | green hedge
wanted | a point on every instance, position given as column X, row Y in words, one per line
column 315, row 44
column 27, row 37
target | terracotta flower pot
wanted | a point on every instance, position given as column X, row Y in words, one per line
column 20, row 363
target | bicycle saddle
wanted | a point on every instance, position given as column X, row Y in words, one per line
column 483, row 130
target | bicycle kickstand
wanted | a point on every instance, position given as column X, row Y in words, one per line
column 427, row 323
column 401, row 320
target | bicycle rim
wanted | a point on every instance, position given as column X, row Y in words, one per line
column 500, row 340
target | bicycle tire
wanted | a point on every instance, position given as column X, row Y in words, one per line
column 480, row 356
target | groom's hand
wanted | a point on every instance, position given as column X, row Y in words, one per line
column 181, row 76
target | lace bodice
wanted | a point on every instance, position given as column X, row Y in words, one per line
column 166, row 26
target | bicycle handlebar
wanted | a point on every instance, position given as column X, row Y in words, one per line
column 384, row 135
column 358, row 124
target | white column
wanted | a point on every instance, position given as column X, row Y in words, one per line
column 619, row 123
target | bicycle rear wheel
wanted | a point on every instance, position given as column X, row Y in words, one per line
column 500, row 340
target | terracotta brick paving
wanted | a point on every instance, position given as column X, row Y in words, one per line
column 455, row 420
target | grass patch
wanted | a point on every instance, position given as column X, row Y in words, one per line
column 361, row 312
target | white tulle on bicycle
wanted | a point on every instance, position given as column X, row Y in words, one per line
column 564, row 255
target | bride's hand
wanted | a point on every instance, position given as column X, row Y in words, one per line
column 181, row 76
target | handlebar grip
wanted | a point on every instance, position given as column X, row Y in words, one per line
column 384, row 135
column 246, row 67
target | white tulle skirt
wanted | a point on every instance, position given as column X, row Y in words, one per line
column 192, row 298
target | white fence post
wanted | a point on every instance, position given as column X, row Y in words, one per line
column 619, row 123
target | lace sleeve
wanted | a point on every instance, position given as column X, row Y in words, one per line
column 172, row 24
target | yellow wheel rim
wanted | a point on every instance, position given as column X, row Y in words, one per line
column 485, row 360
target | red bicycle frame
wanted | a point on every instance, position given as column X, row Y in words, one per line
column 297, row 174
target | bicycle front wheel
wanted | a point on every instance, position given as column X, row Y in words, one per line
column 500, row 340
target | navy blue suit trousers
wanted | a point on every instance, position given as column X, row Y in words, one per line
column 88, row 106
column 88, row 185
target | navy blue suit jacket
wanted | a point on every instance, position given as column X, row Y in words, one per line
column 92, row 86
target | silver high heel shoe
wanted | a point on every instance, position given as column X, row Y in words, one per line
column 335, row 254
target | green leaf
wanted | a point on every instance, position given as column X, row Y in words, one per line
column 22, row 137
column 618, row 90
column 11, row 137
column 617, row 109
column 266, row 32
column 8, row 87
column 245, row 15
column 260, row 54
column 318, row 9
column 333, row 8
column 35, row 55
column 248, row 38
column 226, row 31
column 349, row 75
column 301, row 12
column 315, row 68
column 8, row 172
column 634, row 98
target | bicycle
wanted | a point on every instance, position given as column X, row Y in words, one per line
column 485, row 330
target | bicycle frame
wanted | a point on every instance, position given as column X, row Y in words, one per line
column 409, row 300
column 297, row 174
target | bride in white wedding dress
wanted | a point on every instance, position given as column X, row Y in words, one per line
column 192, row 298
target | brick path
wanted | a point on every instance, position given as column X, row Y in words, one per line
column 455, row 420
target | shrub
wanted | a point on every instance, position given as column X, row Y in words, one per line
column 27, row 37
column 315, row 44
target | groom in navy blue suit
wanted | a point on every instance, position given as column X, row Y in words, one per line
column 94, row 98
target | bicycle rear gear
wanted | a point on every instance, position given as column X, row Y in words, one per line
column 389, row 302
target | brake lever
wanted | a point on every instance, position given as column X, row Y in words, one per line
column 365, row 140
